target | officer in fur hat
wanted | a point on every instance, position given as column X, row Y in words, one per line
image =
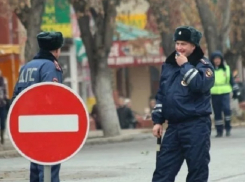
column 183, row 100
column 43, row 68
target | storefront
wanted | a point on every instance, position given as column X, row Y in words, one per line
column 136, row 67
column 9, row 65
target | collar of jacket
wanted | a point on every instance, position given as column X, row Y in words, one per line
column 194, row 58
column 43, row 54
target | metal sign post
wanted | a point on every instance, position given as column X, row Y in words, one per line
column 47, row 173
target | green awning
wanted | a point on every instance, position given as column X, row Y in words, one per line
column 125, row 32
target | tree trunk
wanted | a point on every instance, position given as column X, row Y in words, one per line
column 31, row 18
column 231, row 59
column 215, row 37
column 167, row 43
column 97, row 49
column 237, row 34
column 107, row 111
column 209, row 26
column 226, row 23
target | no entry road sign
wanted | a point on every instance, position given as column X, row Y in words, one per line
column 48, row 123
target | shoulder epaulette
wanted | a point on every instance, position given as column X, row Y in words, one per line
column 204, row 61
column 57, row 65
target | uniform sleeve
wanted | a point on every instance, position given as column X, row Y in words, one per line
column 200, row 78
column 16, row 91
column 157, row 114
column 14, row 94
column 49, row 73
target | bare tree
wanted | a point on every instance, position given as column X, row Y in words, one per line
column 224, row 27
column 98, row 44
column 215, row 18
column 30, row 14
column 162, row 13
column 171, row 14
column 237, row 33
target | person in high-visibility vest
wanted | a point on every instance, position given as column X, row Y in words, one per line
column 220, row 94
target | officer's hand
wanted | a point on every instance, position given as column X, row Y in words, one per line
column 181, row 59
column 157, row 130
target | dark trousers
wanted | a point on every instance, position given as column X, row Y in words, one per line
column 189, row 141
column 3, row 115
column 221, row 104
column 37, row 173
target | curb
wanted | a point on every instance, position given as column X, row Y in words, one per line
column 9, row 154
column 139, row 135
column 118, row 139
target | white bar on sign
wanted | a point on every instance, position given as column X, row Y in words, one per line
column 48, row 123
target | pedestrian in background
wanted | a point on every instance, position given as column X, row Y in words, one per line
column 221, row 90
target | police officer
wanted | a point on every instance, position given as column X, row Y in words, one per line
column 43, row 68
column 221, row 90
column 183, row 100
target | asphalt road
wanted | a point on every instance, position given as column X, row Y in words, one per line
column 135, row 161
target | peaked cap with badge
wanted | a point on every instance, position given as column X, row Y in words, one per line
column 50, row 41
column 188, row 34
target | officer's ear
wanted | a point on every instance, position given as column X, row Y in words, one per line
column 56, row 51
column 193, row 47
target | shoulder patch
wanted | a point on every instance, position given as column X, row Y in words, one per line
column 57, row 66
column 209, row 73
column 204, row 61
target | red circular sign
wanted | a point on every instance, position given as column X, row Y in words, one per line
column 48, row 123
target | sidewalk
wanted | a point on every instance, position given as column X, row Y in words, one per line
column 96, row 138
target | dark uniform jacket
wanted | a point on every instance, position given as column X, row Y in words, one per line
column 184, row 92
column 43, row 68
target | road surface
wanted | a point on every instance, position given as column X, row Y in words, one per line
column 134, row 161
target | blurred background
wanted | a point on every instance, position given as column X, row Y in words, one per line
column 141, row 38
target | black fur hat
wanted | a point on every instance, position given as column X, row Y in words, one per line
column 189, row 34
column 50, row 40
